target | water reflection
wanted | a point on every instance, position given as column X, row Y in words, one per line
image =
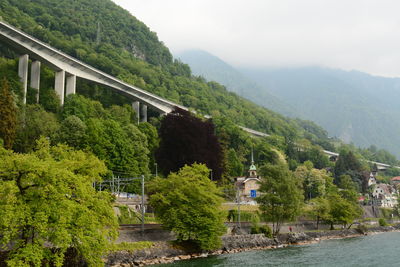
column 373, row 250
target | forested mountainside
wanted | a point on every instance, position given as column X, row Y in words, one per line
column 353, row 106
column 106, row 36
column 212, row 68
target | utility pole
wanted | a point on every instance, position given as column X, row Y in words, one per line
column 116, row 184
column 238, row 204
column 155, row 164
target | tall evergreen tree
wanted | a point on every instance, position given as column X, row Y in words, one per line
column 8, row 115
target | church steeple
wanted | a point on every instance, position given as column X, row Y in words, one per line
column 253, row 168
column 252, row 156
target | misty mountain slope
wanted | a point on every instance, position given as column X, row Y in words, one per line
column 213, row 68
column 353, row 106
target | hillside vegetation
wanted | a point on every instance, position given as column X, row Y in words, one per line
column 352, row 106
column 356, row 107
column 54, row 208
column 106, row 36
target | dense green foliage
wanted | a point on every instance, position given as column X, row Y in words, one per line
column 282, row 195
column 314, row 180
column 346, row 101
column 121, row 47
column 100, row 122
column 189, row 204
column 8, row 112
column 48, row 205
column 338, row 204
column 356, row 107
column 110, row 134
column 186, row 139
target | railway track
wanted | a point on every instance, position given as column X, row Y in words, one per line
column 147, row 226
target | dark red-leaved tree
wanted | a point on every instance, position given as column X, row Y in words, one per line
column 186, row 139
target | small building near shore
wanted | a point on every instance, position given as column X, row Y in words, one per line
column 395, row 181
column 385, row 195
column 248, row 186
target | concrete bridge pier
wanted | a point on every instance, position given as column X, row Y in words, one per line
column 23, row 74
column 144, row 113
column 35, row 77
column 71, row 85
column 135, row 106
column 59, row 85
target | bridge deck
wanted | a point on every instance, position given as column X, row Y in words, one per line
column 58, row 61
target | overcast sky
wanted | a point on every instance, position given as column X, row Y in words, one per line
column 347, row 34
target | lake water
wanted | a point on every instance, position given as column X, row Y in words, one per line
column 373, row 250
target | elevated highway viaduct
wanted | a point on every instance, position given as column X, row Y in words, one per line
column 68, row 69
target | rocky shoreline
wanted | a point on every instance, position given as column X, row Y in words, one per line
column 164, row 252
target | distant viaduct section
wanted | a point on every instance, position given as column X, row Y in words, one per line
column 68, row 69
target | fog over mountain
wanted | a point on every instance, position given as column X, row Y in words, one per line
column 212, row 68
column 354, row 106
column 357, row 34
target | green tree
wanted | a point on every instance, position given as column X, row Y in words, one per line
column 123, row 148
column 48, row 206
column 8, row 115
column 34, row 122
column 189, row 204
column 348, row 188
column 234, row 167
column 152, row 141
column 281, row 195
column 319, row 209
column 342, row 210
column 314, row 181
column 72, row 132
column 84, row 108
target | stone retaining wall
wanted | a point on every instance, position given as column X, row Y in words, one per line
column 163, row 252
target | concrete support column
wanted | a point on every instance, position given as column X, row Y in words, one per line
column 144, row 113
column 135, row 106
column 59, row 85
column 23, row 74
column 35, row 77
column 71, row 85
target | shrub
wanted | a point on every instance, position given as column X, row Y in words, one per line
column 255, row 229
column 382, row 222
column 266, row 230
column 362, row 228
